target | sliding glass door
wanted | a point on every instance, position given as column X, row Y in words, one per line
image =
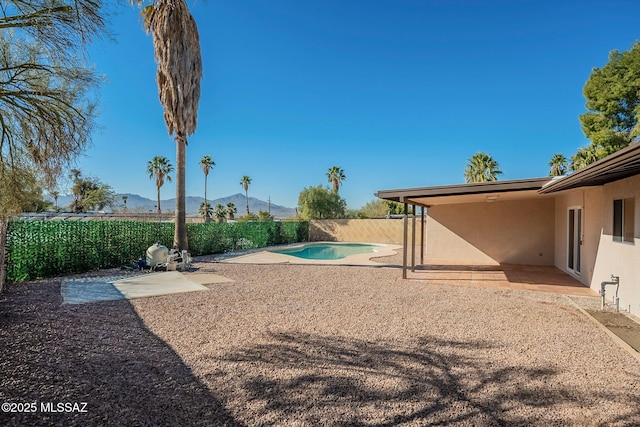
column 574, row 242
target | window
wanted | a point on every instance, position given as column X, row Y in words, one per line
column 623, row 220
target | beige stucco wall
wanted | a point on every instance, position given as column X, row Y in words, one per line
column 590, row 200
column 601, row 256
column 357, row 230
column 620, row 258
column 511, row 232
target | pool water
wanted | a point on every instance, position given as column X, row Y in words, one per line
column 328, row 251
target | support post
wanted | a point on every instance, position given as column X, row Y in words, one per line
column 413, row 239
column 421, row 235
column 404, row 243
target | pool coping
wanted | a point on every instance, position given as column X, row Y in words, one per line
column 265, row 256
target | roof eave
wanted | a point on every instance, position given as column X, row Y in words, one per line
column 608, row 169
column 401, row 195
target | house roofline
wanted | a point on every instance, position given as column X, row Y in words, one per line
column 621, row 164
column 400, row 195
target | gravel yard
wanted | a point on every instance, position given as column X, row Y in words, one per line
column 302, row 345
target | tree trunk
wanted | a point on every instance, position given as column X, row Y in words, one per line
column 246, row 194
column 4, row 223
column 158, row 210
column 180, row 237
column 206, row 215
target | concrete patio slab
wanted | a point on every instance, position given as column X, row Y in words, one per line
column 506, row 276
column 128, row 287
column 207, row 278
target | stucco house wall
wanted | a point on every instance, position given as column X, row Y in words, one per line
column 510, row 232
column 590, row 200
column 620, row 258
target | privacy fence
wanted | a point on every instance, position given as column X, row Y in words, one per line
column 51, row 248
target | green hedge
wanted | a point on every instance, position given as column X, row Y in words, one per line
column 52, row 248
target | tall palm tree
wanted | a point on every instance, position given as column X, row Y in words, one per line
column 245, row 181
column 335, row 176
column 176, row 46
column 481, row 168
column 231, row 210
column 558, row 164
column 206, row 164
column 159, row 168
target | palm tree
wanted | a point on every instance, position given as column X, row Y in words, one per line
column 231, row 210
column 245, row 181
column 176, row 46
column 586, row 155
column 481, row 168
column 558, row 165
column 335, row 176
column 159, row 168
column 220, row 212
column 206, row 164
column 205, row 211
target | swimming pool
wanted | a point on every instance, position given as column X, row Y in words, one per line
column 328, row 251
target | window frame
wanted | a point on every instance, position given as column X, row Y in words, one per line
column 623, row 229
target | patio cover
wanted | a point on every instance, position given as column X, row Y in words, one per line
column 453, row 194
column 466, row 193
column 621, row 164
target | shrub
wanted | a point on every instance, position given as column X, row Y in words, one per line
column 52, row 248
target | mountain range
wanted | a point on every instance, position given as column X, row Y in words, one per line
column 142, row 204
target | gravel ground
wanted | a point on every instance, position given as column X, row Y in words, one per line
column 303, row 345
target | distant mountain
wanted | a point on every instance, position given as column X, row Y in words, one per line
column 139, row 203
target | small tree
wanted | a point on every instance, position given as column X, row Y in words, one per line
column 321, row 203
column 89, row 193
column 250, row 217
column 264, row 216
column 373, row 209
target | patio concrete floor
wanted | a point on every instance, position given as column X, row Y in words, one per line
column 506, row 276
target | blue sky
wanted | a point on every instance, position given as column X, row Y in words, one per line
column 397, row 93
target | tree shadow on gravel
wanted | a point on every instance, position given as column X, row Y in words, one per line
column 99, row 353
column 320, row 380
